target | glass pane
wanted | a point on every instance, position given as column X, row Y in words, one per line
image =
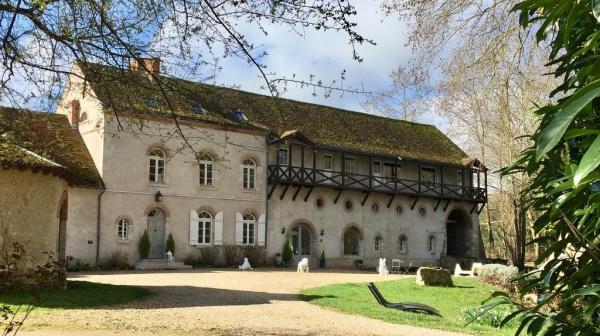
column 305, row 243
column 294, row 237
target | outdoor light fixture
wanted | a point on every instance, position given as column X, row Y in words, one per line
column 282, row 230
column 322, row 232
column 158, row 197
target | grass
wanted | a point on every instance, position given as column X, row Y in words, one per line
column 355, row 298
column 78, row 294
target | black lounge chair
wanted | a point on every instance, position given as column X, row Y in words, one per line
column 406, row 306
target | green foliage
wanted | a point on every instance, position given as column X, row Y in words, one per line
column 77, row 294
column 287, row 253
column 170, row 246
column 489, row 317
column 355, row 298
column 77, row 265
column 144, row 245
column 117, row 260
column 563, row 164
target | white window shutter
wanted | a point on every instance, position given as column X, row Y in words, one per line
column 194, row 227
column 238, row 228
column 260, row 240
column 218, row 228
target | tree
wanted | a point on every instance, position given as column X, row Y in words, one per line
column 144, row 245
column 170, row 246
column 563, row 166
column 484, row 76
column 42, row 39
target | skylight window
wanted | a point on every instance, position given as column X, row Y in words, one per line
column 198, row 109
column 152, row 102
column 239, row 115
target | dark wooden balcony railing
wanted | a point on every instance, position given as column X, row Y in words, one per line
column 390, row 185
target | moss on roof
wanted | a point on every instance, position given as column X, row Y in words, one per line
column 134, row 92
column 39, row 140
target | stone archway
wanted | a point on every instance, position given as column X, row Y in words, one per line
column 458, row 234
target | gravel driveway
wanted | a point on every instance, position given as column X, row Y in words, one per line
column 219, row 302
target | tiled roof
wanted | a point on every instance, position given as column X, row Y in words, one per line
column 45, row 141
column 133, row 92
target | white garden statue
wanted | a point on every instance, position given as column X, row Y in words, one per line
column 382, row 269
column 245, row 265
column 303, row 265
column 170, row 256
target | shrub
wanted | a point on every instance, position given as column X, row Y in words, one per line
column 209, row 255
column 144, row 245
column 194, row 259
column 499, row 275
column 492, row 317
column 117, row 261
column 231, row 253
column 256, row 255
column 287, row 253
column 77, row 265
column 170, row 243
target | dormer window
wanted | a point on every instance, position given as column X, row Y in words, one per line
column 239, row 115
column 151, row 102
column 198, row 109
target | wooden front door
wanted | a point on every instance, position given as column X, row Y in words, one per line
column 156, row 232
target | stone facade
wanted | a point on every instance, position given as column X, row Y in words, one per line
column 30, row 205
column 414, row 229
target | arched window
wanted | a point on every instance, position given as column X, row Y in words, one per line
column 249, row 172
column 206, row 170
column 403, row 244
column 431, row 243
column 123, row 229
column 351, row 241
column 248, row 225
column 204, row 228
column 157, row 166
column 378, row 244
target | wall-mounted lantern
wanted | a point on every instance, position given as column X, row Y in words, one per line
column 158, row 197
column 282, row 230
column 322, row 232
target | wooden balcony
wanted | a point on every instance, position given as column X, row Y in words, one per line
column 308, row 177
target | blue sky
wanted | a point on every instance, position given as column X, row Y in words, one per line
column 326, row 55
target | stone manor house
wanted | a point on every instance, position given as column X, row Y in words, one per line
column 249, row 170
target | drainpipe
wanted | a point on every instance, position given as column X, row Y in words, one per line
column 266, row 195
column 99, row 203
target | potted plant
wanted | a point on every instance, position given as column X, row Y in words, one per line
column 286, row 254
column 277, row 259
column 170, row 246
column 144, row 245
column 322, row 260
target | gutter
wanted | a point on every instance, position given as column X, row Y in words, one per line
column 98, row 225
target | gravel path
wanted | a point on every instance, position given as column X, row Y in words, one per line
column 219, row 302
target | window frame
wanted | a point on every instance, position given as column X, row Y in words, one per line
column 354, row 171
column 431, row 240
column 205, row 223
column 248, row 229
column 123, row 229
column 248, row 174
column 403, row 244
column 327, row 162
column 378, row 244
column 154, row 162
column 428, row 182
column 279, row 156
column 358, row 242
column 206, row 170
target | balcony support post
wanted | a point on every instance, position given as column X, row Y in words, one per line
column 272, row 190
column 308, row 194
column 338, row 196
column 412, row 207
column 302, row 163
column 441, row 181
column 391, row 200
column 437, row 204
column 485, row 186
column 314, row 166
column 287, row 186
column 446, row 206
column 343, row 169
column 365, row 198
column 296, row 193
column 419, row 179
column 370, row 172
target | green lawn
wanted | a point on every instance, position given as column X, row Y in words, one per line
column 79, row 294
column 355, row 298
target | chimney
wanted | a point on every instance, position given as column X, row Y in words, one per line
column 152, row 65
column 74, row 113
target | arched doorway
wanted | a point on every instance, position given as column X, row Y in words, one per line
column 62, row 228
column 300, row 238
column 352, row 240
column 458, row 227
column 156, row 232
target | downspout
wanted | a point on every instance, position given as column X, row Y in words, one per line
column 266, row 194
column 99, row 203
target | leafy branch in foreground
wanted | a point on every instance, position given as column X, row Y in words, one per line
column 564, row 166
